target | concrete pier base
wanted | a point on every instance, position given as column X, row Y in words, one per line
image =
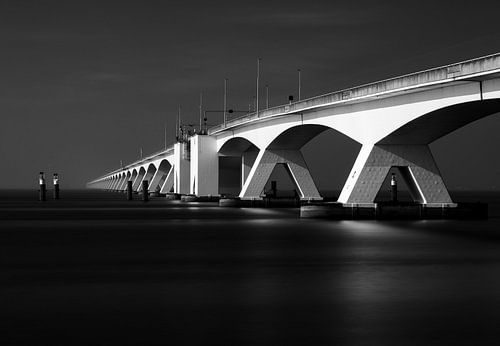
column 415, row 164
column 388, row 211
column 264, row 165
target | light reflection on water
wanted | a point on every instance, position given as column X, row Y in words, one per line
column 248, row 276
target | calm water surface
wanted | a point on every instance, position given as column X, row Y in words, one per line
column 93, row 269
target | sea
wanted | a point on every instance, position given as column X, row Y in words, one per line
column 95, row 269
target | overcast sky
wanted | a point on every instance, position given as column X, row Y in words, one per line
column 85, row 84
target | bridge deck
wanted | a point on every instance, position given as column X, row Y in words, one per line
column 471, row 70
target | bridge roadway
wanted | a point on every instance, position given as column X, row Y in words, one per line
column 394, row 120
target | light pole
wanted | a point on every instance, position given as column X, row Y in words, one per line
column 258, row 76
column 165, row 135
column 179, row 126
column 267, row 96
column 298, row 70
column 225, row 100
column 201, row 111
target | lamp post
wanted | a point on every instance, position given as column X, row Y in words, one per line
column 165, row 136
column 225, row 100
column 201, row 107
column 178, row 132
column 298, row 71
column 258, row 76
column 267, row 96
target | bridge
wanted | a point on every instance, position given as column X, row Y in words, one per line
column 394, row 120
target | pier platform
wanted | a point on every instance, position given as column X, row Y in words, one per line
column 387, row 211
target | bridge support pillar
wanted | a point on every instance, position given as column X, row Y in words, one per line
column 204, row 166
column 264, row 165
column 159, row 178
column 416, row 166
column 149, row 174
column 167, row 181
column 181, row 168
column 123, row 185
column 247, row 161
column 138, row 179
column 118, row 183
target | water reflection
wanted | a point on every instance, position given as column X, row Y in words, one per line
column 247, row 276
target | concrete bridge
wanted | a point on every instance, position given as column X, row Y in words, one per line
column 394, row 120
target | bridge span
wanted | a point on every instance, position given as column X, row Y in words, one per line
column 394, row 120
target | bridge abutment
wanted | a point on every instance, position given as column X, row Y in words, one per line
column 181, row 168
column 204, row 177
column 264, row 165
column 416, row 166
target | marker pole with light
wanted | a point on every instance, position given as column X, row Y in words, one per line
column 394, row 188
column 145, row 192
column 55, row 180
column 129, row 190
column 42, row 187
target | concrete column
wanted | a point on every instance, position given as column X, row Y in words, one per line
column 416, row 166
column 247, row 161
column 116, row 183
column 181, row 168
column 159, row 177
column 167, row 181
column 204, row 177
column 138, row 180
column 149, row 174
column 123, row 184
column 119, row 180
column 264, row 165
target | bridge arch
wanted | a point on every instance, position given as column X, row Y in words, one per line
column 149, row 171
column 236, row 158
column 407, row 150
column 138, row 179
column 122, row 180
column 283, row 160
column 133, row 175
column 163, row 167
column 438, row 123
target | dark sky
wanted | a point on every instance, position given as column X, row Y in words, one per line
column 84, row 84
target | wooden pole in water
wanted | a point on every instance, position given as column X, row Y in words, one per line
column 129, row 190
column 145, row 192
